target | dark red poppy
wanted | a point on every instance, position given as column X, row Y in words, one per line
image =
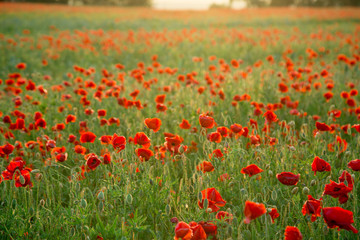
column 22, row 179
column 340, row 190
column 354, row 165
column 70, row 118
column 253, row 210
column 292, row 233
column 288, row 178
column 274, row 214
column 251, row 170
column 320, row 165
column 153, row 123
column 206, row 121
column 92, row 161
column 106, row 139
column 312, row 207
column 337, row 217
column 87, row 137
column 322, row 126
column 236, row 128
column 214, row 198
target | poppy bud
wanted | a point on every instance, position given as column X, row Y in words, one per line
column 305, row 191
column 206, row 203
column 267, row 166
column 13, row 203
column 181, row 149
column 291, row 123
column 292, row 148
column 35, row 171
column 31, row 211
column 86, row 228
column 200, row 196
column 295, row 190
column 274, row 195
column 83, row 203
column 313, row 182
column 101, row 206
column 347, row 153
column 129, row 199
column 167, row 209
column 101, row 196
column 22, row 180
column 270, row 173
column 209, row 210
column 231, row 184
column 174, row 220
column 72, row 231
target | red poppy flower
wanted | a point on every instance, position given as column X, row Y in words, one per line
column 183, row 231
column 320, row 165
column 270, row 117
column 253, row 210
column 288, row 178
column 118, row 142
column 80, row 149
column 87, row 137
column 312, row 207
column 223, row 131
column 106, row 139
column 198, row 231
column 185, row 124
column 292, row 233
column 274, row 214
column 205, row 166
column 22, row 179
column 339, row 217
column 21, row 66
column 92, row 161
column 214, row 198
column 251, row 170
column 322, row 126
column 70, row 118
column 144, row 154
column 153, row 123
column 209, row 228
column 206, row 121
column 141, row 139
column 222, row 215
column 236, row 128
column 340, row 190
column 214, row 137
column 356, row 127
column 354, row 165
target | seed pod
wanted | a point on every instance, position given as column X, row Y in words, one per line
column 274, row 195
column 129, row 199
column 13, row 203
column 101, row 196
column 83, row 203
column 22, row 180
column 200, row 196
column 295, row 190
column 168, row 209
column 206, row 203
column 101, row 206
column 306, row 191
column 313, row 182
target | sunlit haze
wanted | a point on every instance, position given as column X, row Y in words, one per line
column 193, row 4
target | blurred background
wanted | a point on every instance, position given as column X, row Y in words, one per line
column 202, row 4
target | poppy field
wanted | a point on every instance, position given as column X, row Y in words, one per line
column 144, row 124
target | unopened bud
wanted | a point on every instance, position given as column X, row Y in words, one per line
column 306, row 191
column 295, row 190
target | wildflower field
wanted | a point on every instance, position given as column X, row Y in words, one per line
column 141, row 124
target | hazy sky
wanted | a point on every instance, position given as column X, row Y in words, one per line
column 192, row 4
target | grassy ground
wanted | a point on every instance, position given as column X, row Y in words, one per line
column 134, row 199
